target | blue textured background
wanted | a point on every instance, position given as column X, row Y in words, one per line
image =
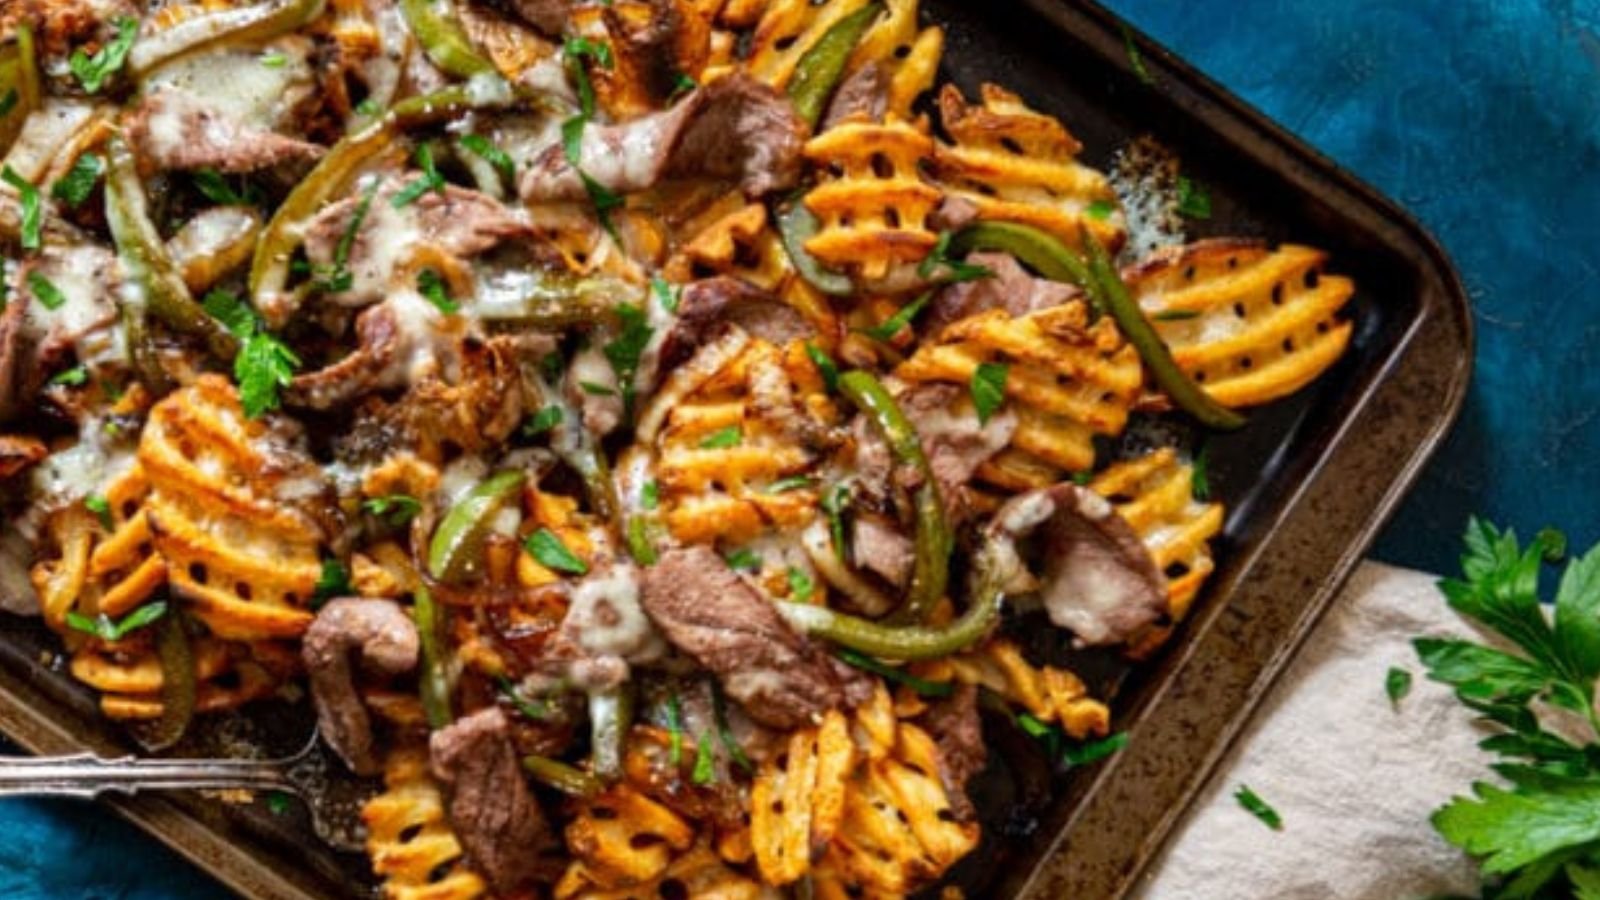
column 1481, row 116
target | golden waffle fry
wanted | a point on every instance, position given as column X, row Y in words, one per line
column 1248, row 324
column 1155, row 494
column 409, row 839
column 697, row 873
column 129, row 681
column 1067, row 381
column 1018, row 165
column 797, row 800
column 1047, row 693
column 719, row 455
column 873, row 206
column 622, row 838
column 223, row 513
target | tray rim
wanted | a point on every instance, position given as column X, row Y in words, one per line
column 24, row 718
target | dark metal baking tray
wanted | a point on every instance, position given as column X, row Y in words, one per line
column 1308, row 483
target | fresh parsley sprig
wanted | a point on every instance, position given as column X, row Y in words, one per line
column 92, row 71
column 265, row 365
column 110, row 631
column 939, row 266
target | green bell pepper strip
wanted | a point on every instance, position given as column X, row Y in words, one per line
column 822, row 65
column 453, row 554
column 269, row 269
column 610, row 717
column 433, row 682
column 19, row 85
column 1098, row 277
column 436, row 28
column 242, row 25
column 930, row 573
column 178, row 688
column 568, row 779
column 796, row 225
column 144, row 255
column 904, row 642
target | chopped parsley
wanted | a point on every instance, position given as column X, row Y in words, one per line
column 825, row 365
column 801, row 587
column 1176, row 315
column 704, row 763
column 535, row 710
column 214, row 186
column 429, row 180
column 682, row 83
column 574, row 51
column 922, row 686
column 627, row 349
column 369, row 107
column 1082, row 478
column 263, row 368
column 988, row 388
column 337, row 278
column 75, row 187
column 667, row 295
column 595, row 388
column 1100, row 210
column 431, row 286
column 101, row 507
column 675, row 729
column 719, row 711
column 277, row 803
column 231, row 312
column 1397, row 684
column 722, row 438
column 32, row 211
column 394, row 509
column 333, row 582
column 744, row 560
column 1258, row 807
column 73, row 377
column 274, row 60
column 1193, row 201
column 1135, row 58
column 93, row 71
column 105, row 629
column 891, row 326
column 834, row 504
column 485, row 149
column 1201, row 476
column 544, row 420
column 952, row 269
column 792, row 483
column 1094, row 751
column 551, row 553
column 45, row 291
column 650, row 495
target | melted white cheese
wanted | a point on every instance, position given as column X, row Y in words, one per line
column 607, row 618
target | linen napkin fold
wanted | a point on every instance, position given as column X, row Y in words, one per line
column 1353, row 776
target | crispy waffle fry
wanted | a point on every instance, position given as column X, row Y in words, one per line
column 1068, row 381
column 791, row 27
column 408, row 838
column 1018, row 165
column 874, row 207
column 623, row 839
column 129, row 678
column 223, row 511
column 1047, row 693
column 697, row 873
column 1155, row 494
column 1248, row 324
column 797, row 801
column 651, row 44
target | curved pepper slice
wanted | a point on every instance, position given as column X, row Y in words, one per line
column 453, row 554
column 437, row 29
column 904, row 642
column 566, row 778
column 249, row 24
column 433, row 682
column 796, row 225
column 159, row 286
column 1098, row 277
column 19, row 85
column 178, row 688
column 822, row 65
column 930, row 573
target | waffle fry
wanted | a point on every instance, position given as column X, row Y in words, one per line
column 797, row 801
column 1068, row 381
column 226, row 675
column 1248, row 324
column 791, row 27
column 1047, row 693
column 623, row 838
column 1155, row 494
column 408, row 838
column 874, row 207
column 697, row 873
column 244, row 561
column 1017, row 165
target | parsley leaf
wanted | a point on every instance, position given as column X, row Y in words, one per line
column 74, row 187
column 628, row 348
column 431, row 286
column 1397, row 684
column 666, row 294
column 481, row 146
column 921, row 686
column 1099, row 210
column 274, row 60
column 988, row 387
column 73, row 377
column 719, row 712
column 544, row 420
column 1094, row 751
column 1175, row 315
column 1258, row 807
column 338, row 277
column 801, row 587
column 394, row 509
column 101, row 507
column 45, row 291
column 232, row 312
column 650, row 495
column 105, row 629
column 596, row 389
column 834, row 504
column 551, row 553
column 214, row 186
column 573, row 52
column 704, row 763
column 953, row 269
column 429, row 180
column 722, row 439
column 1193, row 201
column 825, row 365
column 1200, row 473
column 92, row 71
column 675, row 729
column 533, row 709
column 277, row 803
column 32, row 212
column 891, row 326
column 792, row 483
column 744, row 560
column 333, row 582
column 264, row 366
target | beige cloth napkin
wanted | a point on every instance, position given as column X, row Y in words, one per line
column 1354, row 779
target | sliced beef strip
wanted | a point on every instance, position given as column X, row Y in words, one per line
column 956, row 728
column 493, row 812
column 174, row 129
column 710, row 304
column 735, row 127
column 1011, row 288
column 549, row 16
column 877, row 546
column 1095, row 577
column 385, row 639
column 709, row 612
column 863, row 95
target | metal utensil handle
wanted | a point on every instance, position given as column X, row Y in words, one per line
column 88, row 776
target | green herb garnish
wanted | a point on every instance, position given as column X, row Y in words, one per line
column 704, row 763
column 1094, row 751
column 834, row 504
column 45, row 291
column 1175, row 315
column 988, row 388
column 536, row 710
column 666, row 294
column 432, row 288
column 953, row 269
column 333, row 582
column 922, row 686
column 544, row 420
column 92, row 71
column 1135, row 58
column 650, row 495
column 1258, row 807
column 551, row 553
column 482, row 147
column 1193, row 201
column 105, row 629
column 1100, row 210
column 675, row 729
column 393, row 509
column 75, row 187
column 744, row 560
column 596, row 389
column 214, row 186
column 719, row 711
column 902, row 317
column 722, row 438
column 1397, row 684
column 792, row 483
column 625, row 352
column 73, row 377
column 429, row 180
column 101, row 507
column 801, row 587
column 825, row 365
column 274, row 60
column 1200, row 477
column 263, row 368
column 32, row 212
